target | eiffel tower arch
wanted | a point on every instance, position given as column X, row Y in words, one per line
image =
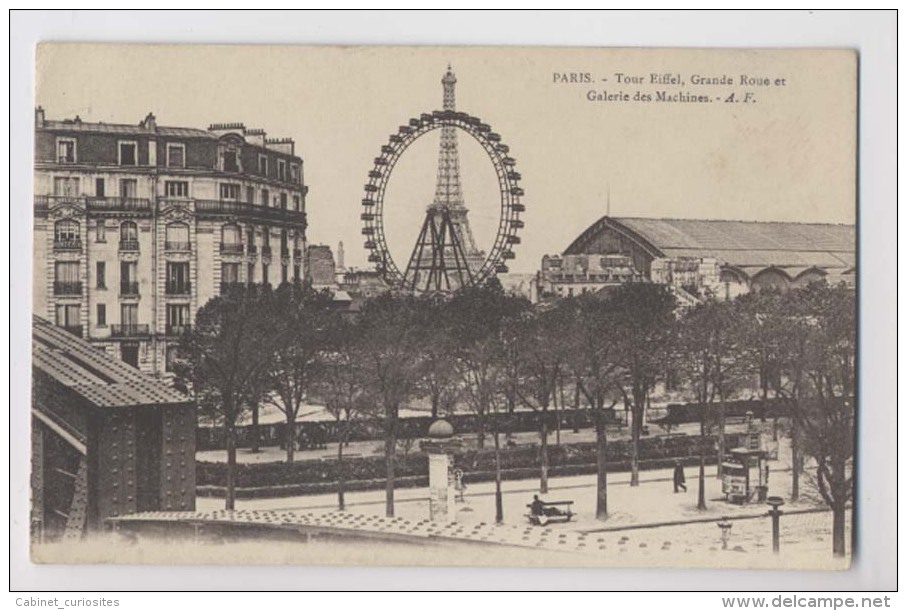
column 445, row 256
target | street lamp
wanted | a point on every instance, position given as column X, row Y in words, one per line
column 775, row 502
column 725, row 526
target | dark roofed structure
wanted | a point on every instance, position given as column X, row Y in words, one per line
column 107, row 439
column 92, row 374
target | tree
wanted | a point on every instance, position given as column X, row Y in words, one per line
column 226, row 356
column 340, row 385
column 541, row 354
column 438, row 379
column 593, row 361
column 644, row 323
column 708, row 351
column 478, row 318
column 391, row 334
column 300, row 317
column 824, row 364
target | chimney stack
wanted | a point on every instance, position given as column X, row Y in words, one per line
column 39, row 116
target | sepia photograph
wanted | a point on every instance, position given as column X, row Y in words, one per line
column 444, row 306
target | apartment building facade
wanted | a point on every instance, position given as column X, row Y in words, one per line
column 137, row 226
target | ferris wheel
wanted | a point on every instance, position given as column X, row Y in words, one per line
column 439, row 262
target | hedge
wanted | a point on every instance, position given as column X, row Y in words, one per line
column 367, row 473
column 212, row 438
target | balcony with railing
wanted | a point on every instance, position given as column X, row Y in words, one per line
column 129, row 289
column 129, row 245
column 231, row 249
column 68, row 244
column 251, row 211
column 136, row 205
column 130, row 330
column 178, row 246
column 178, row 330
column 178, row 288
column 67, row 288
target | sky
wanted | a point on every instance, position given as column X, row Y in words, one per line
column 788, row 155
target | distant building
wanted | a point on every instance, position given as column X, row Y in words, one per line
column 361, row 284
column 700, row 258
column 319, row 265
column 138, row 225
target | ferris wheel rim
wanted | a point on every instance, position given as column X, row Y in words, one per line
column 511, row 206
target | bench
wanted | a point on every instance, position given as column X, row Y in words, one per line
column 551, row 512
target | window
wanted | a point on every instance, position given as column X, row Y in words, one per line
column 129, row 354
column 177, row 278
column 177, row 318
column 250, row 195
column 294, row 172
column 265, row 197
column 128, row 187
column 263, row 165
column 229, row 273
column 69, row 316
column 101, row 273
column 127, row 153
column 99, row 187
column 129, row 314
column 66, row 150
column 283, row 201
column 230, row 234
column 296, row 272
column 296, row 203
column 231, row 160
column 176, row 155
column 177, row 237
column 129, row 231
column 177, row 188
column 101, row 230
column 129, row 236
column 66, row 231
column 66, row 186
column 129, row 281
column 102, row 315
column 250, row 236
column 229, row 191
column 281, row 169
column 264, row 273
column 250, row 274
column 66, row 278
column 284, row 273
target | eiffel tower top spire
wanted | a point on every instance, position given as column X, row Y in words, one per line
column 448, row 192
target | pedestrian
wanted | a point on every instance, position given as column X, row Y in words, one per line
column 680, row 480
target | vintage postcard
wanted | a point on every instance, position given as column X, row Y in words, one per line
column 444, row 306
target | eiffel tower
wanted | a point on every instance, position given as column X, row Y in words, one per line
column 445, row 257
